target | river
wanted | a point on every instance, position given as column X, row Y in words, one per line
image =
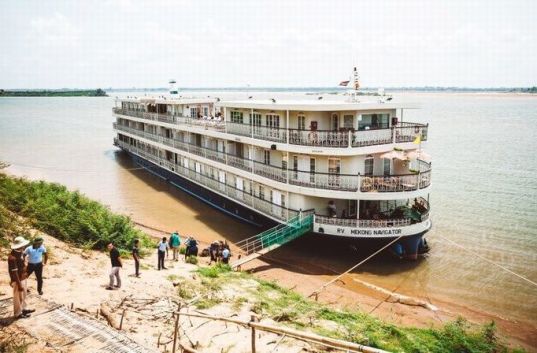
column 484, row 194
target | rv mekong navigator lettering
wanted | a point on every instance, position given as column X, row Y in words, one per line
column 355, row 166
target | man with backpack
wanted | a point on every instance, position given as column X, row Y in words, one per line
column 175, row 243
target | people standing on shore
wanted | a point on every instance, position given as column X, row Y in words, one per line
column 191, row 247
column 226, row 254
column 213, row 251
column 37, row 259
column 116, row 266
column 175, row 243
column 17, row 275
column 162, row 251
column 136, row 257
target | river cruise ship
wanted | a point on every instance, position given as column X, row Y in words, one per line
column 357, row 166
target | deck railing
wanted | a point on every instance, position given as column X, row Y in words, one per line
column 277, row 211
column 403, row 132
column 317, row 180
column 362, row 223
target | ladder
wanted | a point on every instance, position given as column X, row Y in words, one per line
column 273, row 238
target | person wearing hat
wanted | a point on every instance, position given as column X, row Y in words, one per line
column 37, row 258
column 17, row 275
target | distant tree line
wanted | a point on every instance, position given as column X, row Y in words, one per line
column 53, row 93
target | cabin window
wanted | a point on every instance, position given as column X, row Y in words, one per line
column 387, row 166
column 368, row 170
column 301, row 122
column 255, row 118
column 295, row 167
column 273, row 120
column 266, row 157
column 374, row 121
column 236, row 117
column 194, row 112
column 335, row 122
column 312, row 170
column 347, row 121
column 261, row 192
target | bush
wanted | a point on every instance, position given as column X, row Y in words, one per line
column 192, row 260
column 67, row 215
column 214, row 271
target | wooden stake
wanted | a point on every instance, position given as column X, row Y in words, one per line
column 72, row 305
column 175, row 333
column 121, row 321
column 252, row 319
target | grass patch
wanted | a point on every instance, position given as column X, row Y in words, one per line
column 286, row 306
column 192, row 260
column 214, row 271
column 66, row 215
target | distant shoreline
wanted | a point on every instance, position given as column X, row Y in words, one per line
column 54, row 93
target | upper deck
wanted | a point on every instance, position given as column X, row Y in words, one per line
column 301, row 126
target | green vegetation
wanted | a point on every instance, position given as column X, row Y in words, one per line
column 67, row 215
column 54, row 93
column 268, row 299
column 192, row 260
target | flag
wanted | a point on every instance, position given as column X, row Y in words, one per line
column 344, row 83
column 417, row 141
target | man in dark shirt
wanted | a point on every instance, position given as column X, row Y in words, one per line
column 136, row 256
column 116, row 266
column 17, row 275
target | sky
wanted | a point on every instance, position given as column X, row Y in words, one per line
column 235, row 43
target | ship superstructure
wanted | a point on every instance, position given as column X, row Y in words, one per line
column 358, row 166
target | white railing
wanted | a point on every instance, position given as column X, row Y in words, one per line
column 271, row 172
column 408, row 132
column 245, row 198
column 372, row 137
column 270, row 134
column 324, row 180
column 362, row 223
column 239, row 162
column 319, row 138
column 238, row 129
column 404, row 132
column 341, row 182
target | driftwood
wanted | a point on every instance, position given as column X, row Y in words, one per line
column 398, row 298
column 110, row 317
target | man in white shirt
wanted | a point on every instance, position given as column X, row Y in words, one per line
column 162, row 251
column 37, row 259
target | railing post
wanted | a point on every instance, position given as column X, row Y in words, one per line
column 176, row 329
column 253, row 319
column 350, row 138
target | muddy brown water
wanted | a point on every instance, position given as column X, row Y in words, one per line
column 484, row 194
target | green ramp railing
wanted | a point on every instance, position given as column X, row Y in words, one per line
column 279, row 235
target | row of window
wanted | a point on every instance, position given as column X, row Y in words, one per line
column 365, row 122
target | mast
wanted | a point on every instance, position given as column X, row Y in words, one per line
column 355, row 85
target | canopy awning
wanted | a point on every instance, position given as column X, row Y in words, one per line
column 417, row 154
column 394, row 155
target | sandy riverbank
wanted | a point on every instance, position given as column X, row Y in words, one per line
column 303, row 277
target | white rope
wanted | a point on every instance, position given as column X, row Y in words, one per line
column 489, row 261
column 353, row 267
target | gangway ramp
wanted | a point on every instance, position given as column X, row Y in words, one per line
column 273, row 238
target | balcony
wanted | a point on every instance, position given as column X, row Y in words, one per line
column 318, row 180
column 276, row 211
column 404, row 132
column 403, row 216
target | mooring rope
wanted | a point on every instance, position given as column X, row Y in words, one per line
column 323, row 287
column 489, row 261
